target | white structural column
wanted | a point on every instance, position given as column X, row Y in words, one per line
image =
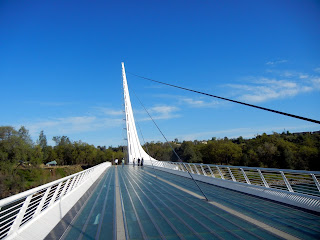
column 135, row 149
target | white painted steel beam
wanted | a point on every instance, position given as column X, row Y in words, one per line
column 135, row 149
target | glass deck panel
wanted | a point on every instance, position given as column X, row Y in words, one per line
column 278, row 215
column 87, row 222
column 157, row 210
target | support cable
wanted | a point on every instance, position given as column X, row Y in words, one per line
column 231, row 100
column 171, row 147
column 154, row 170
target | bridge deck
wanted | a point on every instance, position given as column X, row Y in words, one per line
column 170, row 207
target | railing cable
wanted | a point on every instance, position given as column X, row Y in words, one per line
column 231, row 100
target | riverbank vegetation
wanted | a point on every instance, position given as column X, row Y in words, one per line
column 287, row 151
column 22, row 162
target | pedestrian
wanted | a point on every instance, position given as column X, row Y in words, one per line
column 134, row 162
column 141, row 162
column 116, row 161
column 138, row 161
column 122, row 162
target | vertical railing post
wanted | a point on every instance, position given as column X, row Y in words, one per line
column 263, row 179
column 245, row 176
column 187, row 167
column 190, row 168
column 55, row 194
column 181, row 167
column 203, row 171
column 315, row 181
column 231, row 174
column 76, row 181
column 286, row 182
column 81, row 179
column 221, row 175
column 43, row 199
column 64, row 188
column 71, row 184
column 19, row 217
column 211, row 171
column 197, row 171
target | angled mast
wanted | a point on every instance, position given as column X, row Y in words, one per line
column 135, row 149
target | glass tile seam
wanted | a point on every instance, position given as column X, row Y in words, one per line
column 247, row 218
column 215, row 222
column 135, row 212
column 211, row 220
column 185, row 223
column 161, row 213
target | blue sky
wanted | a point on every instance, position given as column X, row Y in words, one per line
column 60, row 67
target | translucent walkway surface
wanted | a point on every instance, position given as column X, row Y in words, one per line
column 159, row 205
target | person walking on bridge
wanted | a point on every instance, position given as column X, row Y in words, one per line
column 122, row 162
column 138, row 161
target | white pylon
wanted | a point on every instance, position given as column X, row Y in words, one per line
column 135, row 149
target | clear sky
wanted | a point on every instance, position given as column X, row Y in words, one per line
column 60, row 66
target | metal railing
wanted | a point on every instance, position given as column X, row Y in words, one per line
column 299, row 181
column 17, row 210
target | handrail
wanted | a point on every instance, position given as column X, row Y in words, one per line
column 294, row 181
column 21, row 208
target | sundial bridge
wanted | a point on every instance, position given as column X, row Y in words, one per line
column 166, row 200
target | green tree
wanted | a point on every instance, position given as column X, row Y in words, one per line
column 228, row 152
column 189, row 153
column 307, row 158
column 25, row 136
column 37, row 156
column 42, row 141
column 267, row 154
column 52, row 155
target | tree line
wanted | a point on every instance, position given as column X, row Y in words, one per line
column 286, row 150
column 16, row 146
column 22, row 160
